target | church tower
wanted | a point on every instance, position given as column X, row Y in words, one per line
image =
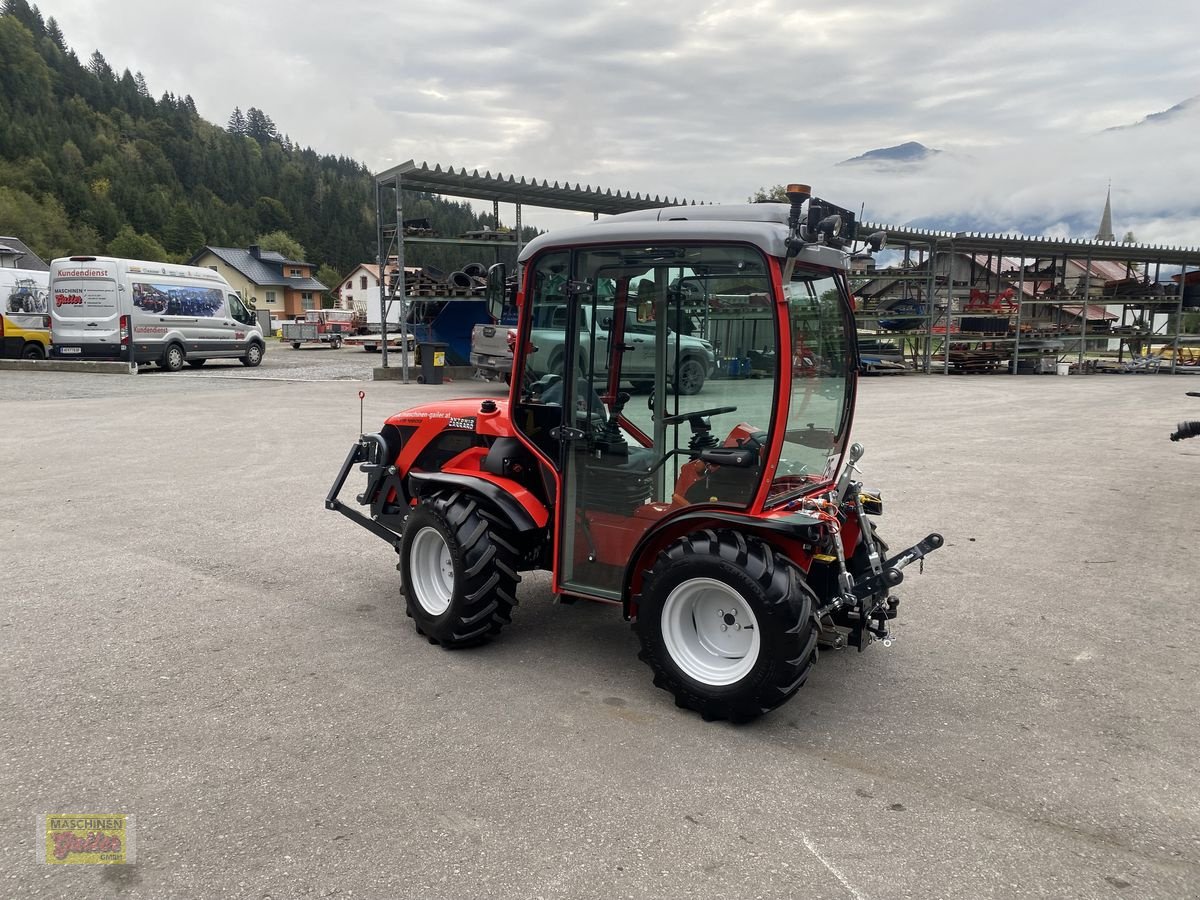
column 1106, row 233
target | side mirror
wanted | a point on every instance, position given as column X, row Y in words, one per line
column 497, row 278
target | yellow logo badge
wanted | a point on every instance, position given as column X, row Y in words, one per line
column 97, row 840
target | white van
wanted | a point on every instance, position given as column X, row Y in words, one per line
column 24, row 319
column 174, row 314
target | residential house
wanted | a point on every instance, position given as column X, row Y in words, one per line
column 359, row 291
column 15, row 255
column 265, row 279
column 362, row 281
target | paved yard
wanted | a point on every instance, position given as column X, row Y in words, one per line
column 191, row 638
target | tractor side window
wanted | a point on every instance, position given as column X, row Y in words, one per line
column 544, row 360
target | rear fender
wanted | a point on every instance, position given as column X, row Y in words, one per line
column 793, row 536
column 524, row 512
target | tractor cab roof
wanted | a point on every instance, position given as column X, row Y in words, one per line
column 765, row 225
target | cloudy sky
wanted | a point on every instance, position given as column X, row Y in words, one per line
column 711, row 100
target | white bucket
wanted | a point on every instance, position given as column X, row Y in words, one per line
column 1064, row 368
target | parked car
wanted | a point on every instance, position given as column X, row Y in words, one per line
column 689, row 366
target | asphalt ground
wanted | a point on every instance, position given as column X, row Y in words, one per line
column 191, row 638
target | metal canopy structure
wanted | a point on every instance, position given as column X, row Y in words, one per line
column 511, row 189
column 945, row 311
column 1039, row 245
column 498, row 188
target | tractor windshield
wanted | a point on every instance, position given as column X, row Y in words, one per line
column 820, row 382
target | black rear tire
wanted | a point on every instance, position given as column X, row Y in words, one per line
column 32, row 351
column 173, row 358
column 783, row 607
column 473, row 597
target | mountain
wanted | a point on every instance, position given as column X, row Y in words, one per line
column 901, row 154
column 1191, row 104
column 90, row 162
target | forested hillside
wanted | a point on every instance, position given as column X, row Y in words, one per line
column 91, row 162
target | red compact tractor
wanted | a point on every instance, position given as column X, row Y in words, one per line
column 719, row 509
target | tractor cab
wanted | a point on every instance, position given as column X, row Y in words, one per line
column 664, row 368
column 675, row 442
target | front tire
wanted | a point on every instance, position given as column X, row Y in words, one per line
column 727, row 625
column 458, row 563
column 254, row 355
column 689, row 378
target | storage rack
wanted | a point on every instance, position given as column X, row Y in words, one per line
column 499, row 188
column 931, row 271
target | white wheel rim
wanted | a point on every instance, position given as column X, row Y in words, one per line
column 431, row 571
column 710, row 632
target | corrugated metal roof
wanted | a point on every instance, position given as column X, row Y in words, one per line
column 510, row 189
column 1034, row 246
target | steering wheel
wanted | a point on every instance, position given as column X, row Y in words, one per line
column 698, row 414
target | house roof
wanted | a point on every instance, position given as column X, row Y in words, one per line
column 304, row 284
column 26, row 258
column 265, row 270
column 1093, row 312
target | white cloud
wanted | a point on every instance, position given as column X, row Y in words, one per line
column 710, row 100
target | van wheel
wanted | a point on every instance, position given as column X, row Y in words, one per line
column 172, row 360
column 254, row 355
column 196, row 363
column 32, row 351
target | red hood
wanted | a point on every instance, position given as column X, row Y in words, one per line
column 494, row 423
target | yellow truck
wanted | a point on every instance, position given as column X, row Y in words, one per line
column 25, row 314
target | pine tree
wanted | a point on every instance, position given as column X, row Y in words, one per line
column 55, row 34
column 99, row 67
column 237, row 122
column 182, row 233
column 142, row 88
column 259, row 126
